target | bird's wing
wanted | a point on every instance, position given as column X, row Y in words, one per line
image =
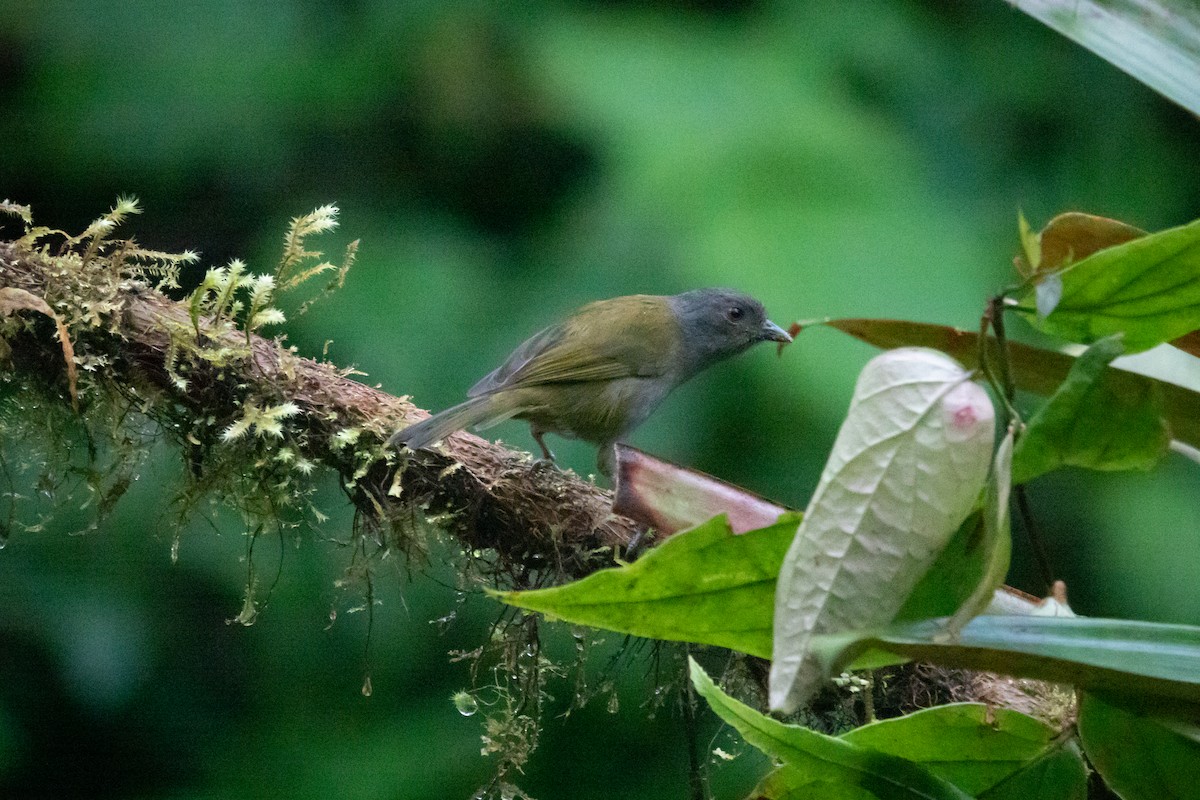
column 501, row 377
column 584, row 347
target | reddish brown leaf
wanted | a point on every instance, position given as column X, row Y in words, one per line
column 792, row 330
column 1034, row 369
column 670, row 498
column 1074, row 236
column 1188, row 343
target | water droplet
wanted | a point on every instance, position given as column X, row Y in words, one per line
column 465, row 703
column 366, row 687
column 614, row 705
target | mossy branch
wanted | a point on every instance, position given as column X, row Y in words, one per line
column 209, row 384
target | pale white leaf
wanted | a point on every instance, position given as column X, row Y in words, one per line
column 996, row 541
column 907, row 467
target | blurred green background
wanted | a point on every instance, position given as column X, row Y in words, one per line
column 502, row 164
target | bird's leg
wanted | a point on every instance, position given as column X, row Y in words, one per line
column 547, row 456
column 606, row 458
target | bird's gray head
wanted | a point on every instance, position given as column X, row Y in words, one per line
column 719, row 323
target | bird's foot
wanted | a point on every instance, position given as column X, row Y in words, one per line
column 547, row 453
column 638, row 543
column 541, row 464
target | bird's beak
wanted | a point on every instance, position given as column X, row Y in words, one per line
column 770, row 332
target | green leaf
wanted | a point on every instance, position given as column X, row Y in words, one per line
column 1087, row 424
column 741, row 571
column 1140, row 756
column 1034, row 369
column 825, row 760
column 1147, row 288
column 705, row 585
column 998, row 754
column 1031, row 250
column 907, row 468
column 789, row 783
column 1105, row 655
column 1058, row 775
column 1156, row 42
column 969, row 744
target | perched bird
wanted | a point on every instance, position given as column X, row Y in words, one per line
column 600, row 373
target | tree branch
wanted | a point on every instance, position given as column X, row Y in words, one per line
column 485, row 495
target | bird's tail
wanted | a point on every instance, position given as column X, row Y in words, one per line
column 441, row 425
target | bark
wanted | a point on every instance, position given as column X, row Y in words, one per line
column 486, row 495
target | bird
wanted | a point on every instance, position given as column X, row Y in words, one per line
column 600, row 372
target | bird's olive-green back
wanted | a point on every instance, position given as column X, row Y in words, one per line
column 634, row 336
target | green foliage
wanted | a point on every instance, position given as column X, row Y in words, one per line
column 953, row 578
column 710, row 586
column 967, row 750
column 706, row 585
column 1035, row 369
column 1095, row 417
column 817, row 762
column 1147, row 289
column 1142, row 751
column 1088, row 424
column 995, row 542
column 972, row 746
column 1154, row 659
column 1059, row 774
column 987, row 753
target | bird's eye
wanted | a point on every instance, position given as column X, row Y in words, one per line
column 735, row 313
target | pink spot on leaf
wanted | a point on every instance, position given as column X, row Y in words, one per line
column 965, row 416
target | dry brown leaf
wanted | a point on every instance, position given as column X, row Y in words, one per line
column 1074, row 236
column 793, row 331
column 13, row 300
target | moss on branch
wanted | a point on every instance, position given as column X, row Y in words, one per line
column 255, row 419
